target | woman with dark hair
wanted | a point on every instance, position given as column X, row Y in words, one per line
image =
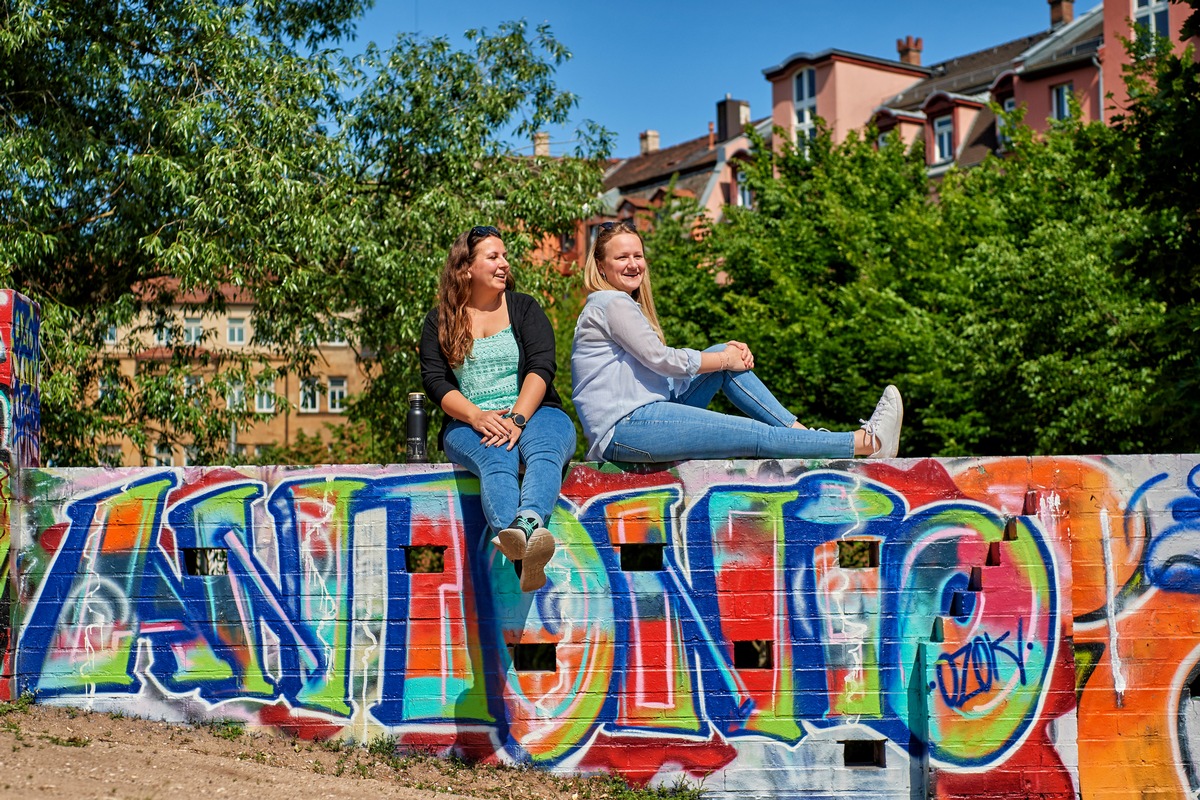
column 642, row 401
column 487, row 360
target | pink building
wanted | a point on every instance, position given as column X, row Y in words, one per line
column 947, row 104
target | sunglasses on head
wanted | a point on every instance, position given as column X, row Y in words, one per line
column 482, row 232
column 621, row 224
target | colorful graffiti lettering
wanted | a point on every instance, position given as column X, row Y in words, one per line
column 970, row 643
column 20, row 368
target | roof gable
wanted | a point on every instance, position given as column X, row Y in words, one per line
column 968, row 74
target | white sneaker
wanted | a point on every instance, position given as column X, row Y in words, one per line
column 884, row 424
column 538, row 553
column 511, row 540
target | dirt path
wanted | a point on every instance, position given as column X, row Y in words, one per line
column 49, row 752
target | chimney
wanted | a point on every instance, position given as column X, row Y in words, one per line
column 732, row 118
column 1061, row 12
column 541, row 143
column 649, row 141
column 712, row 137
column 910, row 50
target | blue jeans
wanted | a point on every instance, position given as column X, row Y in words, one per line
column 544, row 447
column 683, row 427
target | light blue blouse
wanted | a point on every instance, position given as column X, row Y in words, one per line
column 619, row 365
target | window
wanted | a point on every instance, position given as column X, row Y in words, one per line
column 162, row 333
column 110, row 334
column 1151, row 19
column 1009, row 104
column 264, row 398
column 235, row 398
column 191, row 456
column 164, row 456
column 110, row 455
column 1060, row 101
column 744, row 197
column 310, row 401
column 235, row 332
column 193, row 330
column 337, row 395
column 881, row 140
column 193, row 389
column 335, row 331
column 943, row 138
column 103, row 387
column 806, row 104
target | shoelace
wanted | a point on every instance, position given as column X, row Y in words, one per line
column 869, row 425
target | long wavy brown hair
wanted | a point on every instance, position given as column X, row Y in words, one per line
column 594, row 280
column 454, row 291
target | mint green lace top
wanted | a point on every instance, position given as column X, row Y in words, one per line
column 488, row 378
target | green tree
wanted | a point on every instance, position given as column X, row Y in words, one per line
column 151, row 153
column 995, row 298
column 1155, row 154
column 1049, row 336
column 822, row 277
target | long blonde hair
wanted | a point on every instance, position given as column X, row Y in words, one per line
column 594, row 280
column 454, row 290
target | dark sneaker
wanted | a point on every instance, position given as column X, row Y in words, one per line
column 883, row 428
column 511, row 540
column 538, row 552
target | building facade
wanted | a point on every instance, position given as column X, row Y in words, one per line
column 283, row 403
column 1073, row 66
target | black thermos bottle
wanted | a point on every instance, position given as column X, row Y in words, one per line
column 418, row 428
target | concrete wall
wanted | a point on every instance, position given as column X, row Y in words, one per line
column 1008, row 628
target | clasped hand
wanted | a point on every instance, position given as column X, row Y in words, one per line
column 496, row 428
column 737, row 357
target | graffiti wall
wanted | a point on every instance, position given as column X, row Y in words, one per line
column 20, row 366
column 784, row 629
column 20, row 433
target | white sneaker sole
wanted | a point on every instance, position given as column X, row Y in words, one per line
column 538, row 552
column 511, row 542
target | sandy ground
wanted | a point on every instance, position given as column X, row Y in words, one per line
column 51, row 752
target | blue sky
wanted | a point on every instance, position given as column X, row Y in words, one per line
column 664, row 64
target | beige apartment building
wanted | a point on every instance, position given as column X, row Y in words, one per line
column 296, row 405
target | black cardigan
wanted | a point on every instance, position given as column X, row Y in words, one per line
column 535, row 347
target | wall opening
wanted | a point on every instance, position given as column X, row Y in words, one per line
column 864, row 753
column 425, row 558
column 641, row 557
column 535, row 656
column 858, row 554
column 1194, row 685
column 206, row 560
column 975, row 584
column 962, row 604
column 753, row 654
column 993, row 556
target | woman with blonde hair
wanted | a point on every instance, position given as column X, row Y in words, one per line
column 487, row 360
column 642, row 401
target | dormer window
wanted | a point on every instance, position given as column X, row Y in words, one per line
column 805, row 99
column 1151, row 18
column 943, row 139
